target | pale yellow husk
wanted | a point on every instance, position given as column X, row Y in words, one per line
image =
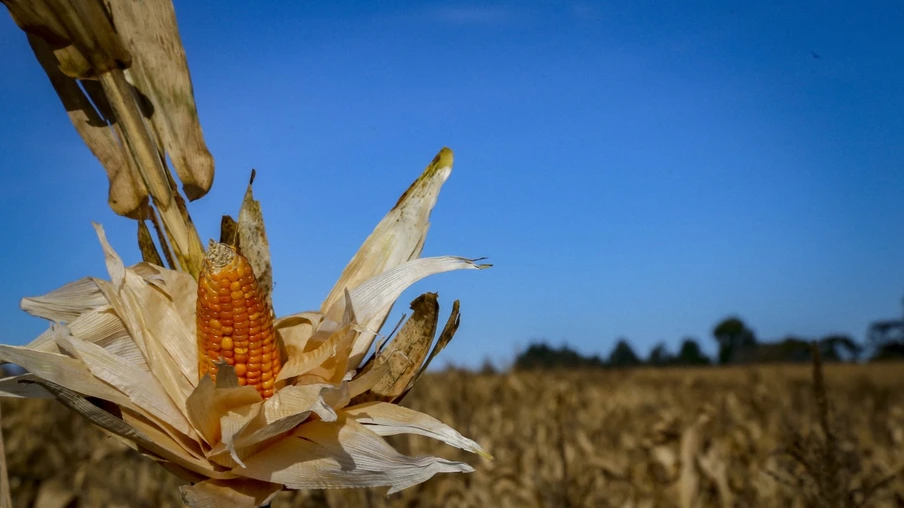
column 130, row 340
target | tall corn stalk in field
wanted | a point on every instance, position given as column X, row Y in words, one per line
column 183, row 359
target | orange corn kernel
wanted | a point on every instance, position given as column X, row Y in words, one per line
column 234, row 320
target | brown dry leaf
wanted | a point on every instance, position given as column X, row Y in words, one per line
column 253, row 239
column 151, row 165
column 127, row 193
column 146, row 244
column 360, row 385
column 181, row 445
column 229, row 232
column 232, row 423
column 413, row 342
column 19, row 387
column 444, row 338
column 156, row 324
column 85, row 42
column 160, row 71
column 319, row 356
column 173, row 282
column 161, row 239
column 82, row 42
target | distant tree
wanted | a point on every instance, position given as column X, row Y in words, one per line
column 790, row 349
column 660, row 356
column 886, row 338
column 839, row 347
column 795, row 349
column 733, row 336
column 690, row 354
column 888, row 351
column 541, row 356
column 623, row 355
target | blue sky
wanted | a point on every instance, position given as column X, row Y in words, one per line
column 632, row 169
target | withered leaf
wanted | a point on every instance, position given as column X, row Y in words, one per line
column 83, row 37
column 226, row 377
column 161, row 238
column 149, row 252
column 413, row 342
column 160, row 70
column 253, row 239
column 229, row 231
column 444, row 338
column 127, row 192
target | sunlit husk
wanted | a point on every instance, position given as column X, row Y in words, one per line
column 253, row 237
column 398, row 238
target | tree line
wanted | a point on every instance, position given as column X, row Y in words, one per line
column 737, row 344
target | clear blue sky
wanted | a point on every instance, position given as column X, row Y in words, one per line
column 632, row 169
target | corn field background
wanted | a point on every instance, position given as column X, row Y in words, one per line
column 642, row 438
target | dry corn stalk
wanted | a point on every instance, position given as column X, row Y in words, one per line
column 120, row 71
column 132, row 341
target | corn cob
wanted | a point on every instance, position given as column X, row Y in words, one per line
column 234, row 321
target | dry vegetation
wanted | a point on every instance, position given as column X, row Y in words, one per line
column 707, row 437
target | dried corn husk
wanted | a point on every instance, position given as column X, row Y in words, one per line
column 412, row 343
column 252, row 237
column 130, row 341
column 398, row 238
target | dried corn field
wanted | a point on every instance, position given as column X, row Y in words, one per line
column 705, row 437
